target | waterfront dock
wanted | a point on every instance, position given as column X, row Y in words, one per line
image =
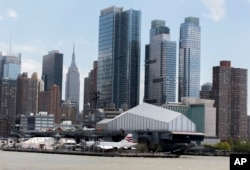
column 104, row 154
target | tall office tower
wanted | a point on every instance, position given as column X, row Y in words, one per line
column 90, row 89
column 49, row 101
column 10, row 66
column 229, row 91
column 189, row 58
column 7, row 106
column 160, row 66
column 27, row 94
column 118, row 77
column 52, row 70
column 72, row 88
column 206, row 91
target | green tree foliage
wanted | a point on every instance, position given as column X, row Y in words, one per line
column 142, row 148
column 237, row 145
column 224, row 146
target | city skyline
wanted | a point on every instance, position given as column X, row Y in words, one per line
column 34, row 35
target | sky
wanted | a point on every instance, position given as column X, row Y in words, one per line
column 36, row 27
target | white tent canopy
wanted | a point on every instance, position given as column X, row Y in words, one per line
column 148, row 117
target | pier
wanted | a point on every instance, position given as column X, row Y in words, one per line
column 105, row 154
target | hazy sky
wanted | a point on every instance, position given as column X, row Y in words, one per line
column 39, row 26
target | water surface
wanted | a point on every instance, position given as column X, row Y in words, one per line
column 40, row 161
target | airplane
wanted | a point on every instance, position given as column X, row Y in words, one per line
column 126, row 143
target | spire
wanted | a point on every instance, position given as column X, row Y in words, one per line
column 73, row 63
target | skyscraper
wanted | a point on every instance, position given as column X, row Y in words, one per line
column 230, row 94
column 52, row 70
column 72, row 88
column 160, row 65
column 90, row 89
column 10, row 66
column 119, row 57
column 7, row 106
column 189, row 58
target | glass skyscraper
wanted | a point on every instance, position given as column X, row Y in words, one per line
column 160, row 66
column 189, row 58
column 118, row 76
column 10, row 66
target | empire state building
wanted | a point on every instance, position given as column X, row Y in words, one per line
column 72, row 88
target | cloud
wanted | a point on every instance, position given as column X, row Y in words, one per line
column 31, row 54
column 217, row 10
column 1, row 17
column 12, row 13
column 30, row 66
column 32, row 47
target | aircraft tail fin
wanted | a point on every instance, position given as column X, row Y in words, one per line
column 129, row 138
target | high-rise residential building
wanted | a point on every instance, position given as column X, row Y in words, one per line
column 160, row 66
column 27, row 94
column 206, row 91
column 72, row 88
column 229, row 92
column 7, row 106
column 52, row 70
column 118, row 77
column 49, row 101
column 10, row 66
column 189, row 58
column 90, row 88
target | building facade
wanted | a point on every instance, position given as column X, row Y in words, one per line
column 200, row 111
column 69, row 111
column 206, row 91
column 49, row 101
column 27, row 94
column 229, row 92
column 90, row 88
column 37, row 122
column 7, row 106
column 189, row 58
column 160, row 66
column 10, row 66
column 118, row 75
column 72, row 88
column 52, row 70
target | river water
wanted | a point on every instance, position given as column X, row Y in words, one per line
column 40, row 161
